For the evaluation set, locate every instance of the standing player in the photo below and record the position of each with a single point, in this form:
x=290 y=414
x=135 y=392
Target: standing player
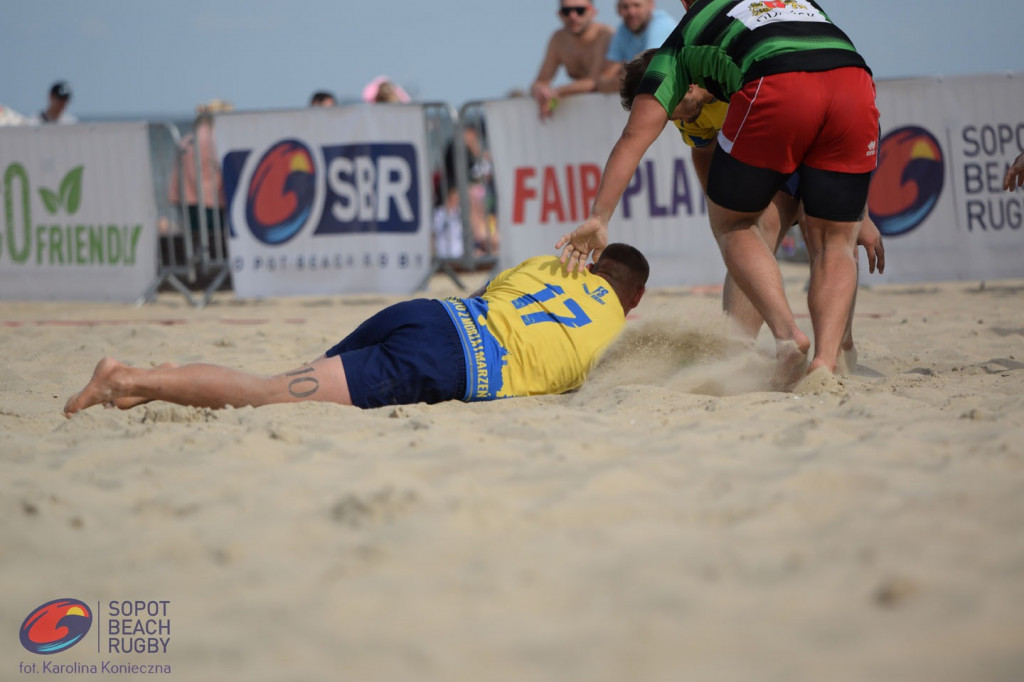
x=800 y=97
x=699 y=121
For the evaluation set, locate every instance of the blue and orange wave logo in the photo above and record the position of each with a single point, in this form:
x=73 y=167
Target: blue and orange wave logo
x=281 y=193
x=56 y=626
x=908 y=182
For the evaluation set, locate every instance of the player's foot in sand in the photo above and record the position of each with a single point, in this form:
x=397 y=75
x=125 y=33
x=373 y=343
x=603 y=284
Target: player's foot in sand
x=107 y=384
x=847 y=358
x=790 y=361
x=128 y=402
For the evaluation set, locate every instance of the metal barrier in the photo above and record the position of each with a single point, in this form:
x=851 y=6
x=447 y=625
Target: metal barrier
x=193 y=258
x=464 y=193
x=480 y=184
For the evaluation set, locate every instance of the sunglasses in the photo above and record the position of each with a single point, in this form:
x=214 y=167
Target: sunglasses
x=568 y=11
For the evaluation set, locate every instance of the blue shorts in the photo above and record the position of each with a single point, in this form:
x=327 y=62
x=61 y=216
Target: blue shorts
x=792 y=185
x=407 y=353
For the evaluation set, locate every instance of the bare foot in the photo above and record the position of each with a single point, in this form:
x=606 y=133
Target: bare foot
x=128 y=402
x=103 y=387
x=847 y=360
x=820 y=380
x=819 y=364
x=790 y=361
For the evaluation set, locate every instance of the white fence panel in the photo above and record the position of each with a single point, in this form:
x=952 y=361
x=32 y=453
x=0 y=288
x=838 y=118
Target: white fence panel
x=79 y=218
x=327 y=201
x=547 y=174
x=937 y=194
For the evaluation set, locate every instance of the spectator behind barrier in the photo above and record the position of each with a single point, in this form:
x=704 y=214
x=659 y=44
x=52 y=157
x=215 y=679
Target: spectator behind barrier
x=643 y=28
x=579 y=46
x=383 y=89
x=185 y=185
x=479 y=171
x=322 y=98
x=56 y=110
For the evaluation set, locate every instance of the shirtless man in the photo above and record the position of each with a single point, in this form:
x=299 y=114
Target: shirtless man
x=579 y=47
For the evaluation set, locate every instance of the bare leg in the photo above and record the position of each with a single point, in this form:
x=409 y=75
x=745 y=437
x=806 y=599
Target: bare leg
x=202 y=385
x=848 y=351
x=871 y=239
x=127 y=403
x=478 y=219
x=751 y=263
x=847 y=361
x=833 y=286
x=773 y=225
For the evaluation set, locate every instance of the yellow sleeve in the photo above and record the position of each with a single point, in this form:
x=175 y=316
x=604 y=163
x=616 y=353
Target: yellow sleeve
x=704 y=130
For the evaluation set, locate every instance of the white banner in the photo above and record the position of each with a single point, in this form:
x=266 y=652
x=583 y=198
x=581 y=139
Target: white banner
x=326 y=201
x=546 y=175
x=79 y=215
x=938 y=192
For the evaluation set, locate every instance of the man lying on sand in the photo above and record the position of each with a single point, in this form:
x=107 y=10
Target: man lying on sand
x=534 y=329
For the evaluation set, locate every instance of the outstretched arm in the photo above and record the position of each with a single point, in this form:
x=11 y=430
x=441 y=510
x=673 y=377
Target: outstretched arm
x=646 y=121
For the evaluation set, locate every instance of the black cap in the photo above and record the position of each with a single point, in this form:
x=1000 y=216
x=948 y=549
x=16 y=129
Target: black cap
x=61 y=90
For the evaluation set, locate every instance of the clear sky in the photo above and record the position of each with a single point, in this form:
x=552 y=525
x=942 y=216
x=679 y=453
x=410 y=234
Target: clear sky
x=154 y=57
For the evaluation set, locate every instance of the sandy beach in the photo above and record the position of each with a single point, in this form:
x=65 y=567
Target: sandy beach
x=672 y=520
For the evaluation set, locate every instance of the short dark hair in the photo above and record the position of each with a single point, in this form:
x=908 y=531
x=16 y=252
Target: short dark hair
x=320 y=96
x=625 y=264
x=631 y=77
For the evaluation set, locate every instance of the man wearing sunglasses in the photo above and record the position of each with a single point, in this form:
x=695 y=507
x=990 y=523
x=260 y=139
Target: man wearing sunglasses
x=579 y=46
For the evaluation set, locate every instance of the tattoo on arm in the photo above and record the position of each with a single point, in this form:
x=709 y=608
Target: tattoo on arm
x=302 y=386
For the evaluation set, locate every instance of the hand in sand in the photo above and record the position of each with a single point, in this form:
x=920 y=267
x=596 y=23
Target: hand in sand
x=1014 y=174
x=588 y=239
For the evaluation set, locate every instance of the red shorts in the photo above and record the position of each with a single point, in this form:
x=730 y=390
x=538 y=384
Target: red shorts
x=825 y=119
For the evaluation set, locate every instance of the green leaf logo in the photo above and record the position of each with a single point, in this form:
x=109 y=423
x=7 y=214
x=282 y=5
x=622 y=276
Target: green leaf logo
x=70 y=197
x=50 y=199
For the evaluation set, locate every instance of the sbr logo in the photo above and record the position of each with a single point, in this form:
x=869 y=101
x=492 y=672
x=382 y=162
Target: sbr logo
x=281 y=192
x=55 y=626
x=355 y=188
x=370 y=188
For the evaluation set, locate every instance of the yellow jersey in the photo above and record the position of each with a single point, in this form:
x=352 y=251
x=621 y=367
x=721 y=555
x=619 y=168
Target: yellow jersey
x=704 y=130
x=536 y=330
